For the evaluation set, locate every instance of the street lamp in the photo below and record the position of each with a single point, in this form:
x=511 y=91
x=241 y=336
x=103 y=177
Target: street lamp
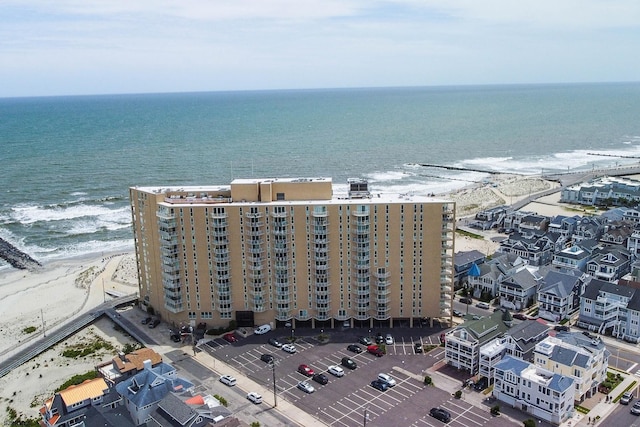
x=366 y=417
x=275 y=395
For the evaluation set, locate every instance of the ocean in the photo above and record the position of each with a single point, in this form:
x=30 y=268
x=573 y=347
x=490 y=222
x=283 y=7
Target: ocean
x=67 y=162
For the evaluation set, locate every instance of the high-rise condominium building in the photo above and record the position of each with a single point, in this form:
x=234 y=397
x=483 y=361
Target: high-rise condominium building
x=293 y=250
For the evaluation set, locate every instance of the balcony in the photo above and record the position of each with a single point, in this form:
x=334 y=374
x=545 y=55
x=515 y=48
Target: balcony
x=219 y=215
x=168 y=238
x=283 y=300
x=283 y=315
x=279 y=231
x=382 y=299
x=220 y=232
x=253 y=232
x=360 y=231
x=322 y=315
x=253 y=215
x=319 y=214
x=280 y=214
x=363 y=315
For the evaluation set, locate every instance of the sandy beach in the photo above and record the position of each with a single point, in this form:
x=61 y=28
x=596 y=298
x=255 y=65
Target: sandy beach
x=33 y=303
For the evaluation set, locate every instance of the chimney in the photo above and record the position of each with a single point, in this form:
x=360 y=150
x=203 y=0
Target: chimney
x=122 y=357
x=147 y=364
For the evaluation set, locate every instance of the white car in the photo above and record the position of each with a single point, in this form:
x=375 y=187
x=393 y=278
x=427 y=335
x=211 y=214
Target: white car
x=289 y=348
x=254 y=397
x=306 y=387
x=228 y=380
x=388 y=340
x=262 y=329
x=336 y=370
x=387 y=379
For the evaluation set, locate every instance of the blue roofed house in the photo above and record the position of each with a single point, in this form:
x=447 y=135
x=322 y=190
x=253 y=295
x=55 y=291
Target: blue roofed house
x=486 y=277
x=463 y=262
x=535 y=390
x=559 y=294
x=142 y=392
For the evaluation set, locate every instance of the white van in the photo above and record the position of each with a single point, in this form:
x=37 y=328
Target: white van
x=262 y=329
x=484 y=305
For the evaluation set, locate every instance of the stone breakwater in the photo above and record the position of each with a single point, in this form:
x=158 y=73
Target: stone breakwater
x=16 y=258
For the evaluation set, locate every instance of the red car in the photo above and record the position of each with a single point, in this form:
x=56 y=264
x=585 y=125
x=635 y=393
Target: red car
x=231 y=337
x=306 y=370
x=375 y=350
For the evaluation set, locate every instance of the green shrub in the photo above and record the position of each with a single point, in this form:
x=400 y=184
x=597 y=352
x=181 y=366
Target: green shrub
x=495 y=410
x=428 y=380
x=222 y=400
x=529 y=423
x=78 y=379
x=29 y=330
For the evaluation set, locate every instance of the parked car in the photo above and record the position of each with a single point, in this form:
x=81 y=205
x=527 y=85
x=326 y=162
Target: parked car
x=306 y=370
x=440 y=414
x=387 y=379
x=417 y=347
x=388 y=339
x=321 y=378
x=336 y=370
x=355 y=348
x=262 y=329
x=230 y=337
x=561 y=328
x=154 y=323
x=228 y=380
x=175 y=337
x=306 y=387
x=379 y=338
x=481 y=384
x=465 y=300
x=289 y=348
x=375 y=350
x=254 y=397
x=274 y=342
x=520 y=316
x=266 y=358
x=379 y=385
x=458 y=313
x=348 y=363
x=626 y=398
x=146 y=320
x=635 y=409
x=365 y=341
x=484 y=305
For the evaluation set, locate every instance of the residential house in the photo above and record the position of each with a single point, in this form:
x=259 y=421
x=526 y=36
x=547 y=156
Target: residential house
x=519 y=290
x=587 y=228
x=513 y=219
x=195 y=411
x=584 y=358
x=91 y=403
x=632 y=215
x=536 y=249
x=462 y=344
x=142 y=392
x=486 y=278
x=463 y=261
x=610 y=264
x=563 y=225
x=603 y=191
x=534 y=390
x=616 y=233
x=603 y=306
x=573 y=257
x=633 y=244
x=490 y=218
x=534 y=224
x=559 y=294
x=124 y=366
x=519 y=341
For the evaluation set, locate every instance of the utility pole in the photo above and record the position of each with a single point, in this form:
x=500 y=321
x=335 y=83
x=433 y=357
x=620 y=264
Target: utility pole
x=366 y=417
x=44 y=331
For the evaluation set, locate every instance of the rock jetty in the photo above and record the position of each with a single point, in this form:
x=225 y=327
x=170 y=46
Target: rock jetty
x=16 y=257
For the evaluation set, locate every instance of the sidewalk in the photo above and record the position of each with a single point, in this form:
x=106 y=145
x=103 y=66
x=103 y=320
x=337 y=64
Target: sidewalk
x=603 y=408
x=294 y=415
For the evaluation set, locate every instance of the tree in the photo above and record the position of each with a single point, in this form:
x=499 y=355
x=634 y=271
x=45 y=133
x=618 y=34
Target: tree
x=428 y=380
x=495 y=410
x=529 y=423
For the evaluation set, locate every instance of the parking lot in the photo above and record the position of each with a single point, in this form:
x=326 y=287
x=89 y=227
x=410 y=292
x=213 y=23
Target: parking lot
x=347 y=400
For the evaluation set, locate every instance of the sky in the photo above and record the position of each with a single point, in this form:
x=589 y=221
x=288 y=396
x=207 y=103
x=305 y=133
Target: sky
x=79 y=47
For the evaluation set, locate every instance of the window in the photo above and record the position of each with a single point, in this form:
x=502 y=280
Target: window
x=279 y=196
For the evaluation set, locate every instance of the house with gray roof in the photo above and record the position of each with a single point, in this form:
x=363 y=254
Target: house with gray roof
x=616 y=233
x=604 y=307
x=534 y=390
x=462 y=344
x=559 y=294
x=142 y=392
x=576 y=355
x=519 y=341
x=609 y=264
x=486 y=278
x=573 y=257
x=563 y=225
x=536 y=249
x=196 y=411
x=587 y=228
x=518 y=291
